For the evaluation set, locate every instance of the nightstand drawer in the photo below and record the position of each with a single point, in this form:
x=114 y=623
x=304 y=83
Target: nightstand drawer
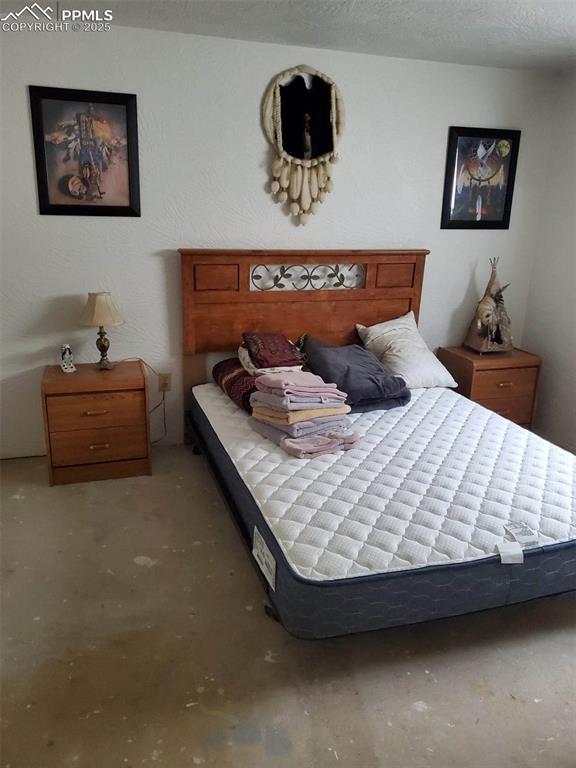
x=506 y=382
x=517 y=409
x=91 y=446
x=109 y=409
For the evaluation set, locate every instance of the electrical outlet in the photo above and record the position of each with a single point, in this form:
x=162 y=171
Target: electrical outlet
x=164 y=382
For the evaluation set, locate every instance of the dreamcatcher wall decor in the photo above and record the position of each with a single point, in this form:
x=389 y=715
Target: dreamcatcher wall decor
x=303 y=118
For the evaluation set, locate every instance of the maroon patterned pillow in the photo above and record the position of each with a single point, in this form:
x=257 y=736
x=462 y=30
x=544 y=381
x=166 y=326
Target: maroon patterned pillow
x=235 y=381
x=270 y=350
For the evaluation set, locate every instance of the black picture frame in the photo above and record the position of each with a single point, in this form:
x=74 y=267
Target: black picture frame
x=39 y=95
x=459 y=208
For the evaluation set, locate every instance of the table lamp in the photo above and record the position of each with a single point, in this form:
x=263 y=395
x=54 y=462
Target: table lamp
x=100 y=311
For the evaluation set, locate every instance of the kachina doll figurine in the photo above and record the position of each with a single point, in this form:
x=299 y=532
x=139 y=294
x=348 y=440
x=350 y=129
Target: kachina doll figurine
x=489 y=331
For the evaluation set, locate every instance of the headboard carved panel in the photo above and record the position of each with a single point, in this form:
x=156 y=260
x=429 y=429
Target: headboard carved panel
x=220 y=299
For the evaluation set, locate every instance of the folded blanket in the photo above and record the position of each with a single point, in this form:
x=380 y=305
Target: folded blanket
x=246 y=360
x=283 y=404
x=364 y=406
x=303 y=396
x=367 y=380
x=235 y=382
x=318 y=445
x=330 y=395
x=298 y=382
x=271 y=350
x=291 y=417
x=307 y=447
x=300 y=429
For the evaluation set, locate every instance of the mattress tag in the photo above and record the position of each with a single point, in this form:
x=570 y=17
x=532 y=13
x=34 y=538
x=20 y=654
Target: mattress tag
x=510 y=552
x=264 y=558
x=522 y=533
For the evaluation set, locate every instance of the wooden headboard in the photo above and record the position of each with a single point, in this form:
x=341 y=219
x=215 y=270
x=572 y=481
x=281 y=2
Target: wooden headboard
x=219 y=304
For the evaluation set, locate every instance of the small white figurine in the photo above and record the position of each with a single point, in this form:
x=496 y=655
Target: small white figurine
x=67 y=361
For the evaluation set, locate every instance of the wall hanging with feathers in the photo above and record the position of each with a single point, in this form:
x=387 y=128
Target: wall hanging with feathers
x=303 y=118
x=489 y=331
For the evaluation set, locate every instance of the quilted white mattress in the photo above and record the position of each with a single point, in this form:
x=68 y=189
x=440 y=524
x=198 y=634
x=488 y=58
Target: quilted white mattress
x=432 y=483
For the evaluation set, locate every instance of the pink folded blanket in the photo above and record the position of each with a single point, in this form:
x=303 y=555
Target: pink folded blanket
x=319 y=445
x=303 y=396
x=290 y=403
x=294 y=382
x=332 y=439
x=319 y=426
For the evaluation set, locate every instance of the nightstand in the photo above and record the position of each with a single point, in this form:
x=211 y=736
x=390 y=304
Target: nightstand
x=96 y=423
x=504 y=382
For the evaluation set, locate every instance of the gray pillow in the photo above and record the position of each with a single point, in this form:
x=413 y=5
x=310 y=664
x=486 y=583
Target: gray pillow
x=308 y=343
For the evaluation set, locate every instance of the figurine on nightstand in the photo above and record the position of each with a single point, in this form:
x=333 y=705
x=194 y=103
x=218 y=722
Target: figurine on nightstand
x=489 y=330
x=67 y=361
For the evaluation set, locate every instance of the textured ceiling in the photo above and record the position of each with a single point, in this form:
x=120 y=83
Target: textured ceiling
x=503 y=33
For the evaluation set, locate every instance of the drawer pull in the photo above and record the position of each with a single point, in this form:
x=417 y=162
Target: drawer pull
x=99 y=446
x=505 y=384
x=95 y=413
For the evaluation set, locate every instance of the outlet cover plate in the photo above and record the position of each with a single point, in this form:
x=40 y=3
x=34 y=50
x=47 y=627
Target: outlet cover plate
x=164 y=382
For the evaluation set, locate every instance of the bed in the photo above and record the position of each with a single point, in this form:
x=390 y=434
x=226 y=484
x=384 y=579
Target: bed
x=405 y=527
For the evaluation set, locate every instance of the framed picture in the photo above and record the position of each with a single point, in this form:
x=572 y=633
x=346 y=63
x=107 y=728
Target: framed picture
x=86 y=146
x=479 y=183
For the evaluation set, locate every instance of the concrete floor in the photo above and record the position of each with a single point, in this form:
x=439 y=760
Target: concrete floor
x=134 y=634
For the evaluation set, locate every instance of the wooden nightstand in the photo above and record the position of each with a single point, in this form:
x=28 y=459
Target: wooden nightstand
x=504 y=382
x=96 y=423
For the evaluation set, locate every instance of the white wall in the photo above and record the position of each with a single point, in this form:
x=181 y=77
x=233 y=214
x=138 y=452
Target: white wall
x=203 y=170
x=550 y=328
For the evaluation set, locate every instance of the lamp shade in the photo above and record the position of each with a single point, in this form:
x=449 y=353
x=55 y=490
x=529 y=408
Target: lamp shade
x=101 y=311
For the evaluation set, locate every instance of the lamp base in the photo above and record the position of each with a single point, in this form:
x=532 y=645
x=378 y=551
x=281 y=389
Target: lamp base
x=103 y=344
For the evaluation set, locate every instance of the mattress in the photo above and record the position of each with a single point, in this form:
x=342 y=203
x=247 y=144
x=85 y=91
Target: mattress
x=407 y=525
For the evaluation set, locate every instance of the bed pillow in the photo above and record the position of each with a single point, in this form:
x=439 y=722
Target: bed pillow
x=398 y=344
x=309 y=342
x=369 y=384
x=237 y=383
x=270 y=350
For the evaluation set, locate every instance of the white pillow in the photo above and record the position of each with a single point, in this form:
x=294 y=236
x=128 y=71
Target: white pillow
x=398 y=344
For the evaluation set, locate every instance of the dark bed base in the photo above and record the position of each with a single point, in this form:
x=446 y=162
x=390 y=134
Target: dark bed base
x=312 y=609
